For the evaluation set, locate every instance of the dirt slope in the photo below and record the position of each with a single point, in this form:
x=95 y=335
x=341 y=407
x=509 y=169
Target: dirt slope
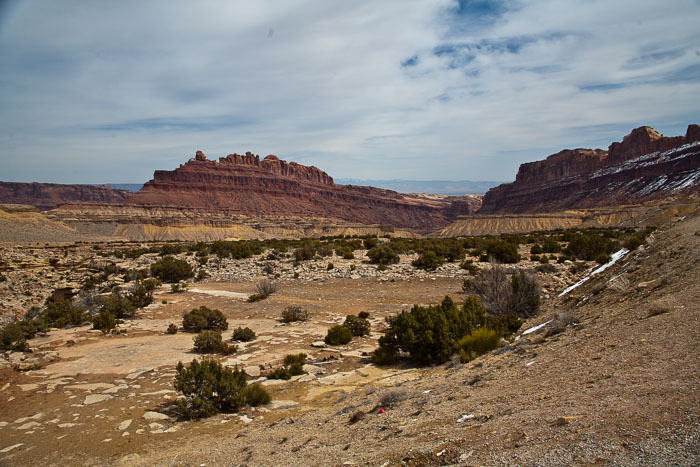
x=627 y=375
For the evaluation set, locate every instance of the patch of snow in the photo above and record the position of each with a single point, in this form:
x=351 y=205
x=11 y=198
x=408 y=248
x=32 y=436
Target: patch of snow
x=219 y=293
x=615 y=258
x=533 y=329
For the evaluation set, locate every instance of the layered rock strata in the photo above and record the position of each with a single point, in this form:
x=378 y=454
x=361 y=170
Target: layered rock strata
x=250 y=186
x=47 y=196
x=644 y=166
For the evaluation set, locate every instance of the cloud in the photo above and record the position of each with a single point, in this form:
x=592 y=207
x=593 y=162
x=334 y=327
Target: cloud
x=391 y=89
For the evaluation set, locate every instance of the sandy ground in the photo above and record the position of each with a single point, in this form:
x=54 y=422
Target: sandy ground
x=620 y=387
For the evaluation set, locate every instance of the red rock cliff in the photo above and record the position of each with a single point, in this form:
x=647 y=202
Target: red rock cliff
x=645 y=165
x=49 y=195
x=253 y=187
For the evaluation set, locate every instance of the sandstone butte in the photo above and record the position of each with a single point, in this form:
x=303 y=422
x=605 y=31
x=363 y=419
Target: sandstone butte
x=250 y=186
x=644 y=166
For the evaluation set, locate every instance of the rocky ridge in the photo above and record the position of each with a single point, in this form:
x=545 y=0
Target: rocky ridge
x=250 y=186
x=644 y=166
x=47 y=196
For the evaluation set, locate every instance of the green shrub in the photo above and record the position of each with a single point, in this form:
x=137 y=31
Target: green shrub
x=370 y=242
x=118 y=306
x=304 y=253
x=536 y=249
x=170 y=269
x=211 y=342
x=209 y=388
x=551 y=246
x=105 y=321
x=338 y=335
x=172 y=328
x=294 y=313
x=256 y=395
x=503 y=252
x=12 y=338
x=141 y=295
x=477 y=343
x=382 y=255
x=203 y=318
x=179 y=287
x=589 y=246
x=544 y=259
x=384 y=355
x=429 y=261
x=358 y=326
x=363 y=315
x=329 y=267
x=243 y=334
x=429 y=334
x=62 y=313
x=292 y=365
x=634 y=242
x=603 y=258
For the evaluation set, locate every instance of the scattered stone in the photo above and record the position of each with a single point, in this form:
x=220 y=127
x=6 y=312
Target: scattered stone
x=28 y=426
x=318 y=344
x=561 y=421
x=28 y=387
x=125 y=424
x=94 y=398
x=253 y=371
x=152 y=416
x=10 y=448
x=245 y=419
x=66 y=425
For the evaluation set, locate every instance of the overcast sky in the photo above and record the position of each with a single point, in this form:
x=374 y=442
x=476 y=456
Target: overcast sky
x=109 y=91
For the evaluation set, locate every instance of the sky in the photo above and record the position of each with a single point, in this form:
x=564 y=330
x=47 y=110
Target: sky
x=109 y=91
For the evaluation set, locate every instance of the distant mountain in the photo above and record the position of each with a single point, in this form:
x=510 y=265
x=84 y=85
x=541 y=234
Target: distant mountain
x=126 y=186
x=436 y=187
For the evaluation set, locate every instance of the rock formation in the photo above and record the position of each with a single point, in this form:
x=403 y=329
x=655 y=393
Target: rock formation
x=247 y=185
x=644 y=166
x=46 y=196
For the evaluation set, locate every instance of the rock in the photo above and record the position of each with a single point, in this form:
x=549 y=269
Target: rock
x=95 y=398
x=28 y=426
x=253 y=371
x=245 y=419
x=128 y=460
x=10 y=448
x=564 y=420
x=125 y=424
x=151 y=416
x=318 y=344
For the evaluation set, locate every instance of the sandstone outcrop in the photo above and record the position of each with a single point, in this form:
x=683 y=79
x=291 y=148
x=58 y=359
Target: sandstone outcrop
x=46 y=196
x=644 y=166
x=247 y=185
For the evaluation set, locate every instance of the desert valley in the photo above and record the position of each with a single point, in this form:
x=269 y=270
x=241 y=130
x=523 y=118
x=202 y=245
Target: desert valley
x=552 y=321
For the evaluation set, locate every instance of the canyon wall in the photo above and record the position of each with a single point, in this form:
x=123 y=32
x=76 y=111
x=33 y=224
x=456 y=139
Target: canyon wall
x=47 y=196
x=644 y=166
